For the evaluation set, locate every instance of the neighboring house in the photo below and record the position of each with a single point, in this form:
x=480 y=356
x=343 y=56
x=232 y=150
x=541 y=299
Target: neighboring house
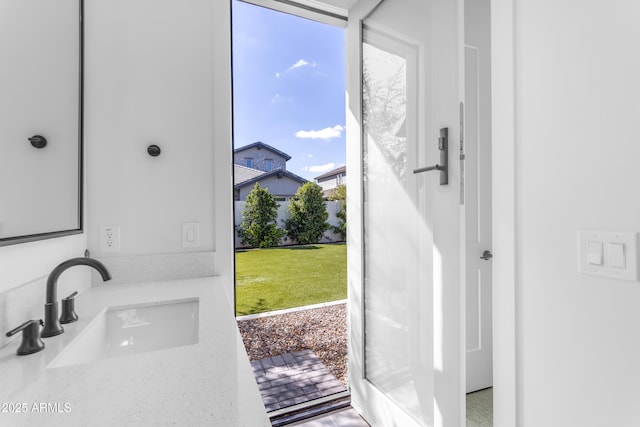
x=281 y=183
x=260 y=156
x=330 y=180
x=262 y=163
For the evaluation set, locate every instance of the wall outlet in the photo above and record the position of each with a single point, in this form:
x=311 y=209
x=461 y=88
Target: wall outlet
x=110 y=238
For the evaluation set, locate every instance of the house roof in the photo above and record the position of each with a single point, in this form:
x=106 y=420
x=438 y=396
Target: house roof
x=243 y=173
x=276 y=172
x=342 y=170
x=261 y=145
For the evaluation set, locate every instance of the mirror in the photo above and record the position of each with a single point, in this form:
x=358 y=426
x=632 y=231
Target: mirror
x=40 y=119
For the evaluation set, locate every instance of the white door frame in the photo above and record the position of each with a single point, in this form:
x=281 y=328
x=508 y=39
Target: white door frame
x=507 y=391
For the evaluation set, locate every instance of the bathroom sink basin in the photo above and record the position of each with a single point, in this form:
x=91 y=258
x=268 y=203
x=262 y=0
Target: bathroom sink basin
x=129 y=329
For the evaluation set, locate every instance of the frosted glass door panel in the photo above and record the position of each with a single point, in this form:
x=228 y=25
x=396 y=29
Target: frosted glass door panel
x=397 y=325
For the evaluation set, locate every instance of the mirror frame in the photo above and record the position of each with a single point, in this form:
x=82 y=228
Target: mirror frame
x=6 y=241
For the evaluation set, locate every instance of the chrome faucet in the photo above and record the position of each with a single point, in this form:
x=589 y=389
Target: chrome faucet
x=52 y=326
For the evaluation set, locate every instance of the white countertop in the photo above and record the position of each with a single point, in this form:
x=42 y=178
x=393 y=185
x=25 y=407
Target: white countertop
x=208 y=383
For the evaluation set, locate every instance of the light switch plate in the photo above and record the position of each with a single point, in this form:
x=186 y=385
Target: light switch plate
x=190 y=234
x=619 y=256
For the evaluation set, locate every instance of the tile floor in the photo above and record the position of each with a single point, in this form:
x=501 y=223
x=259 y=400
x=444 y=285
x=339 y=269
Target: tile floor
x=480 y=408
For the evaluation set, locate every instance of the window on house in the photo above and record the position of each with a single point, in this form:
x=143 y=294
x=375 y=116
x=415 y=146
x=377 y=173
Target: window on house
x=248 y=163
x=268 y=164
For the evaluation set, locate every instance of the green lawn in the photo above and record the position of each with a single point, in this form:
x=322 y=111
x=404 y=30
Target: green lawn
x=277 y=278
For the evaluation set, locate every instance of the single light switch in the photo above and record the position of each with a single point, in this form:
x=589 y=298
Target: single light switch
x=190 y=234
x=616 y=255
x=594 y=253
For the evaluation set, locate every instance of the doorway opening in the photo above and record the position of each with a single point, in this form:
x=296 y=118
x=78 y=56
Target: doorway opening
x=289 y=201
x=270 y=163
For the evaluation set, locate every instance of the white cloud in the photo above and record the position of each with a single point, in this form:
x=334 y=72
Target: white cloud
x=300 y=63
x=320 y=168
x=326 y=133
x=277 y=75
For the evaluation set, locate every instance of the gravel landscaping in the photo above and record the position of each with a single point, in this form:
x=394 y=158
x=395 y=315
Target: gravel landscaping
x=322 y=330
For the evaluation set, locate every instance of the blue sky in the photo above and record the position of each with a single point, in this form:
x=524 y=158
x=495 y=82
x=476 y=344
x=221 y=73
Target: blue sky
x=289 y=87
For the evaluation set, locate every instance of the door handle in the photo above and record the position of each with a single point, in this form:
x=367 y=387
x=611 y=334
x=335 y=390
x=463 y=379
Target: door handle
x=486 y=255
x=443 y=166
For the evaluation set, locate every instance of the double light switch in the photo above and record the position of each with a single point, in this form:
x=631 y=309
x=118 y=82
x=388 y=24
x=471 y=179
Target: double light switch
x=609 y=254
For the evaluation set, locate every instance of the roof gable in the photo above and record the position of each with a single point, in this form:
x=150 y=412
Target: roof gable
x=261 y=145
x=277 y=172
x=338 y=171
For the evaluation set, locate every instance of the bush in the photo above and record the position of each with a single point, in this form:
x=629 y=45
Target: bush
x=308 y=215
x=258 y=227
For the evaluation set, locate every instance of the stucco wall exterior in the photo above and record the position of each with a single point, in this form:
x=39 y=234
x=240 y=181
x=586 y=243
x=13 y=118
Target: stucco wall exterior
x=258 y=157
x=280 y=187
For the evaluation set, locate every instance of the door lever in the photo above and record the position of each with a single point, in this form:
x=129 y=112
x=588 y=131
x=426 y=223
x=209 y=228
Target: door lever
x=443 y=165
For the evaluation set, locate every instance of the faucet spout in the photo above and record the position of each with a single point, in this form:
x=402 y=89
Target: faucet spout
x=52 y=281
x=52 y=325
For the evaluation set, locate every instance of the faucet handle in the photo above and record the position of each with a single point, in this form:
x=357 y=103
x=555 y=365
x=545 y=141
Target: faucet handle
x=68 y=309
x=31 y=342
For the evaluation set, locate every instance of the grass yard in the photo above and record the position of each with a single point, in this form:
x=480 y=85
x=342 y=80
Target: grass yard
x=277 y=278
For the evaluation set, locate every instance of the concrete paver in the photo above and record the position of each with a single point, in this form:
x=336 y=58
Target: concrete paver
x=293 y=378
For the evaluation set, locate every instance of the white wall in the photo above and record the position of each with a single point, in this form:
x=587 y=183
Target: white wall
x=576 y=167
x=150 y=72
